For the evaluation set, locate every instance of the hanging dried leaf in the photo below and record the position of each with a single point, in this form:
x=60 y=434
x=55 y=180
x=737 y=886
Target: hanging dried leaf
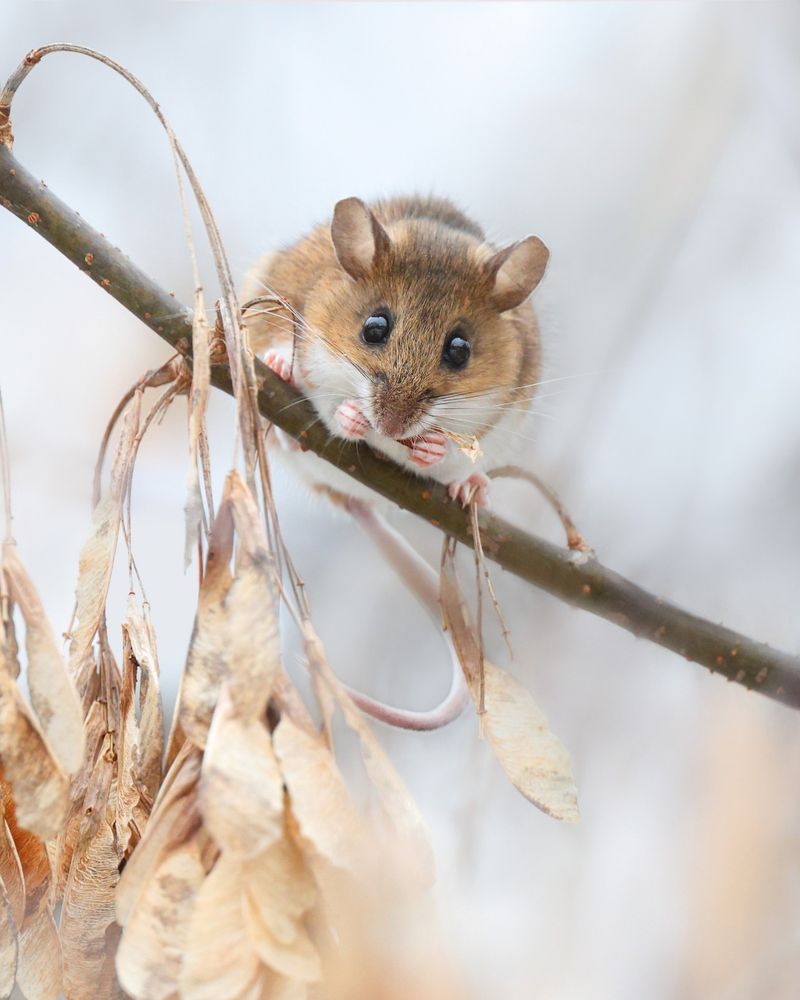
x=198 y=399
x=8 y=946
x=9 y=647
x=279 y=886
x=405 y=824
x=241 y=788
x=151 y=951
x=52 y=692
x=255 y=652
x=39 y=785
x=206 y=663
x=175 y=818
x=236 y=635
x=279 y=891
x=220 y=960
x=297 y=959
x=39 y=962
x=127 y=748
x=95 y=731
x=138 y=628
x=39 y=958
x=97 y=555
x=11 y=875
x=321 y=803
x=87 y=915
x=534 y=759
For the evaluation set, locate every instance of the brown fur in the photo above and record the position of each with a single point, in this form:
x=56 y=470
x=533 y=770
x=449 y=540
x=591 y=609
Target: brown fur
x=433 y=277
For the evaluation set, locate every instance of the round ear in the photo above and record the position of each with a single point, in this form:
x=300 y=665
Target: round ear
x=517 y=270
x=358 y=238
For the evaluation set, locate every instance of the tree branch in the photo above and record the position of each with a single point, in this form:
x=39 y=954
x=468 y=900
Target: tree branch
x=573 y=577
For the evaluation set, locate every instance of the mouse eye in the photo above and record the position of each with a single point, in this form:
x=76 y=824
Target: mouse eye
x=457 y=350
x=377 y=327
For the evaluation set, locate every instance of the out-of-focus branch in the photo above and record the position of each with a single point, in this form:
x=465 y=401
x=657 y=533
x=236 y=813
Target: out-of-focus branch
x=574 y=577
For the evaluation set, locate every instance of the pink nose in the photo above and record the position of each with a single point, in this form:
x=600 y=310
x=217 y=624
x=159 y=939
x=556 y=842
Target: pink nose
x=391 y=425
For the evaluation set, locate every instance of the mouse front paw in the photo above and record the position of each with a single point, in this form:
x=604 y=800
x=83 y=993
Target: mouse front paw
x=427 y=449
x=474 y=487
x=351 y=420
x=278 y=362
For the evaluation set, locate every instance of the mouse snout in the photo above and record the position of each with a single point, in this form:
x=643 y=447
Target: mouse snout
x=396 y=409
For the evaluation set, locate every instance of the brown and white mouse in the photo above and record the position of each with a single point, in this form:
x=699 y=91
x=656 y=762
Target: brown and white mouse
x=409 y=332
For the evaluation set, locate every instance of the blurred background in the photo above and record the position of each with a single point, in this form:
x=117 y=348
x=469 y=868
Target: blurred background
x=656 y=149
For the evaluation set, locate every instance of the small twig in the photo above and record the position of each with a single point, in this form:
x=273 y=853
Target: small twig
x=575 y=539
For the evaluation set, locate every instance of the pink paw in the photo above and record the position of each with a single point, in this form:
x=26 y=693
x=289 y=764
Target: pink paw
x=280 y=364
x=475 y=487
x=351 y=420
x=427 y=449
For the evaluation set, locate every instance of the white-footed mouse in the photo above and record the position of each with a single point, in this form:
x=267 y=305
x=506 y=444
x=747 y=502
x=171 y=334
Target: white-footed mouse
x=413 y=334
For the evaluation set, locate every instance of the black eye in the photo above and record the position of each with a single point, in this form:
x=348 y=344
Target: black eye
x=456 y=350
x=377 y=327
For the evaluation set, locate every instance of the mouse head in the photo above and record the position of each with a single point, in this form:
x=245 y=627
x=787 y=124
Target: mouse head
x=424 y=323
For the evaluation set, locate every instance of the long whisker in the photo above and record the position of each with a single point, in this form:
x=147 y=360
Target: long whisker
x=518 y=388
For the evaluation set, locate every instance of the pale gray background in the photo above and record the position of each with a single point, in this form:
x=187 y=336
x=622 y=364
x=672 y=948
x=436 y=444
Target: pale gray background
x=656 y=149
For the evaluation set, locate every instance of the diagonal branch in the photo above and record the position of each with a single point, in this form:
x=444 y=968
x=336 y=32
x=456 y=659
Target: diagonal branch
x=573 y=577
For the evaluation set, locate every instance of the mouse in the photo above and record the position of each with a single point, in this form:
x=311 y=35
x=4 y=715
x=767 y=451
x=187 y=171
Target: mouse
x=407 y=330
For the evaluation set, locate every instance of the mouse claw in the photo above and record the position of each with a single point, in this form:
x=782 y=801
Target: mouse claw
x=352 y=422
x=427 y=449
x=475 y=487
x=280 y=364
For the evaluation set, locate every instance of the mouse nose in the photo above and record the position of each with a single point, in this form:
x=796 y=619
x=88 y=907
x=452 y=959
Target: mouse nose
x=391 y=424
x=395 y=410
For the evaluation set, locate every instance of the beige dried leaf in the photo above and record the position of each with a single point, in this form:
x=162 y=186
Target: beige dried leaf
x=532 y=756
x=467 y=444
x=220 y=960
x=255 y=652
x=175 y=819
x=297 y=959
x=40 y=787
x=274 y=987
x=39 y=958
x=99 y=801
x=97 y=555
x=9 y=647
x=534 y=759
x=198 y=399
x=241 y=788
x=278 y=884
x=138 y=628
x=206 y=663
x=95 y=733
x=405 y=824
x=235 y=638
x=127 y=746
x=11 y=876
x=321 y=802
x=39 y=963
x=52 y=691
x=278 y=893
x=153 y=944
x=87 y=915
x=8 y=946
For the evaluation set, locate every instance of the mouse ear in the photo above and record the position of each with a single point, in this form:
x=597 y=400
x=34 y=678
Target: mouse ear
x=358 y=238
x=517 y=270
